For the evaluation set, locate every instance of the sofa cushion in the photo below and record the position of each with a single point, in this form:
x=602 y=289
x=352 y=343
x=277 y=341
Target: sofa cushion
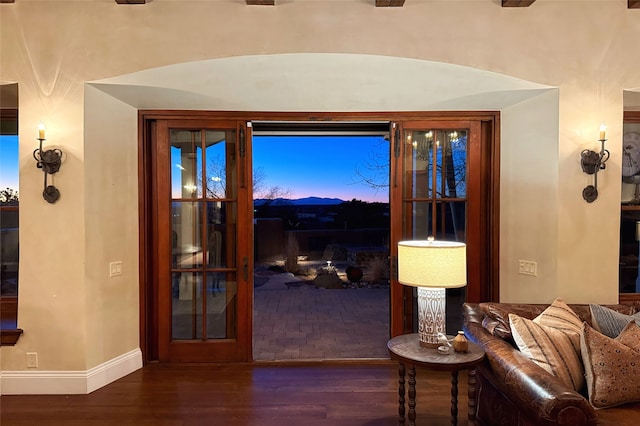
x=552 y=340
x=497 y=314
x=610 y=322
x=612 y=366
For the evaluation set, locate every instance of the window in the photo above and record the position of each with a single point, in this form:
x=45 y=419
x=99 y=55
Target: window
x=9 y=210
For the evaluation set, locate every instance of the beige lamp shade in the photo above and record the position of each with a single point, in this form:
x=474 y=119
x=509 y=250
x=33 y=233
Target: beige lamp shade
x=441 y=264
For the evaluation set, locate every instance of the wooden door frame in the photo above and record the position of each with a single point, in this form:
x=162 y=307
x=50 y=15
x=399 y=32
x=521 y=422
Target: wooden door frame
x=481 y=230
x=630 y=117
x=146 y=169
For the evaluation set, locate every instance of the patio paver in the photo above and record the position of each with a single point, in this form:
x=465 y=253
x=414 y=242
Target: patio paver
x=307 y=323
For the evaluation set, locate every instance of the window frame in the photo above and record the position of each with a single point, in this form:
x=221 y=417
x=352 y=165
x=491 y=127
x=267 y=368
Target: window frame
x=9 y=331
x=629 y=117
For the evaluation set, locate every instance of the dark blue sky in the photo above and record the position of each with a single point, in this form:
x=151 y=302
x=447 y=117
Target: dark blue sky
x=322 y=166
x=9 y=162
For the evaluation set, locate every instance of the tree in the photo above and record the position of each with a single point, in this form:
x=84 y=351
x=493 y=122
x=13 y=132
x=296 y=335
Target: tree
x=374 y=171
x=267 y=193
x=450 y=159
x=9 y=197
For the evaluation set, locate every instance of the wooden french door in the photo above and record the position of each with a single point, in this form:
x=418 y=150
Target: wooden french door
x=202 y=231
x=441 y=186
x=196 y=219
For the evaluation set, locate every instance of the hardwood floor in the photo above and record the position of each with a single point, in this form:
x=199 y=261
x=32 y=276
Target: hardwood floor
x=260 y=394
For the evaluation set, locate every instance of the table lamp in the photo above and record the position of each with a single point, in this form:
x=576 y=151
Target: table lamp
x=432 y=266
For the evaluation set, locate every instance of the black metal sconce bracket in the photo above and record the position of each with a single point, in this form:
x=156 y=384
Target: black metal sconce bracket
x=592 y=162
x=49 y=161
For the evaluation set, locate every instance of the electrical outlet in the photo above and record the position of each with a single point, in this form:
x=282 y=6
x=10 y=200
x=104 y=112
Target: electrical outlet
x=115 y=268
x=527 y=267
x=32 y=359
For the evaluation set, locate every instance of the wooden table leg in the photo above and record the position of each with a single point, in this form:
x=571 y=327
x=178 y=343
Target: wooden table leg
x=412 y=395
x=472 y=397
x=401 y=394
x=454 y=398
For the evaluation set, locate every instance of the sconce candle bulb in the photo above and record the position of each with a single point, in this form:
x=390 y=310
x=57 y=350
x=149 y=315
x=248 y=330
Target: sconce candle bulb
x=603 y=132
x=49 y=161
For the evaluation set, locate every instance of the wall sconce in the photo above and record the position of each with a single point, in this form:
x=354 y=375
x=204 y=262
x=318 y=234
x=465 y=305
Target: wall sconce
x=591 y=163
x=49 y=161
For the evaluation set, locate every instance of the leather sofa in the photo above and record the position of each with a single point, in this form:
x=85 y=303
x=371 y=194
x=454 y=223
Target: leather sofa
x=512 y=390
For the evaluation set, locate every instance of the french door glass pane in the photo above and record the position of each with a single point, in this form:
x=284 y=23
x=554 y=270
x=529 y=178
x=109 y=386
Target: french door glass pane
x=453 y=160
x=203 y=225
x=449 y=222
x=452 y=216
x=219 y=295
x=187 y=291
x=435 y=167
x=220 y=164
x=186 y=234
x=221 y=235
x=186 y=163
x=420 y=163
x=422 y=213
x=447 y=149
x=220 y=306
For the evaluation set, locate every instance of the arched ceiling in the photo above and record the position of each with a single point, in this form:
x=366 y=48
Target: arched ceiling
x=318 y=82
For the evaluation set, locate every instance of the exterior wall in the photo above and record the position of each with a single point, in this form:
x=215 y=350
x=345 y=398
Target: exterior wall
x=69 y=307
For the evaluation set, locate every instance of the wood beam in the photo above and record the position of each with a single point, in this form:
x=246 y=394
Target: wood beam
x=261 y=2
x=633 y=4
x=389 y=3
x=517 y=3
x=131 y=1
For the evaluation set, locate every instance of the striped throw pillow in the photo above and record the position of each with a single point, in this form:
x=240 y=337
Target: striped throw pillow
x=552 y=340
x=609 y=322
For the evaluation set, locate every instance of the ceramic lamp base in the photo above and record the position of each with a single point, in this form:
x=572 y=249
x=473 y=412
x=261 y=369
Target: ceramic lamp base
x=431 y=315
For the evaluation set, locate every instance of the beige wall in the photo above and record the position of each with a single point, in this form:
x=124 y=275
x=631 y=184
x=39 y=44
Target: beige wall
x=111 y=215
x=556 y=70
x=530 y=179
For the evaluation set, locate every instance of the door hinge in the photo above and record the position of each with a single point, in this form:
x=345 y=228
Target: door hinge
x=396 y=153
x=396 y=146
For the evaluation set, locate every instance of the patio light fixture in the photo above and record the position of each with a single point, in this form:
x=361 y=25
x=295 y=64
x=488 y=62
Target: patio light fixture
x=432 y=266
x=49 y=161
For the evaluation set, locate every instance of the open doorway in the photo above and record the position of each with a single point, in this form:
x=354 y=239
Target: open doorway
x=321 y=243
x=415 y=208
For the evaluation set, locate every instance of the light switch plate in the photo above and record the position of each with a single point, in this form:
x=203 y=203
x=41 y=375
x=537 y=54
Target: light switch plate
x=115 y=268
x=528 y=267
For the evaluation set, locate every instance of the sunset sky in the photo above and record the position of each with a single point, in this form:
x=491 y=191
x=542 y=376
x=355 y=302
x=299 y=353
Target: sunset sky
x=322 y=166
x=9 y=162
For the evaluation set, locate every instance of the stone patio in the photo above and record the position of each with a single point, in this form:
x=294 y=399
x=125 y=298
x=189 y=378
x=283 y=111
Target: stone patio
x=302 y=322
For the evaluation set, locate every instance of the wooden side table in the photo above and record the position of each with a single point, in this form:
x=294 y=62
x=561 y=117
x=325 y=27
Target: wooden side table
x=406 y=350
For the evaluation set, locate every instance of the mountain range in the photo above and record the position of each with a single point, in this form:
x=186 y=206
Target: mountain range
x=306 y=201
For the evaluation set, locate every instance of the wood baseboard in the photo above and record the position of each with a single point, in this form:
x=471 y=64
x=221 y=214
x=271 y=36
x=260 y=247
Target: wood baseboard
x=36 y=382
